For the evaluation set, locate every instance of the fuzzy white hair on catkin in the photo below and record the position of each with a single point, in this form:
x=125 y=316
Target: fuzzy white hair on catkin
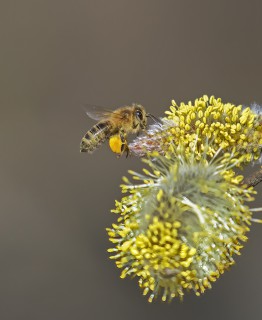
x=256 y=108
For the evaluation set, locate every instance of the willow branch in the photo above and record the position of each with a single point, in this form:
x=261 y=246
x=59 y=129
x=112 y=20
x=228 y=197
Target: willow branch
x=253 y=179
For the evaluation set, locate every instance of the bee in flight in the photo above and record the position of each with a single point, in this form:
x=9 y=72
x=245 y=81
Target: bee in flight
x=114 y=126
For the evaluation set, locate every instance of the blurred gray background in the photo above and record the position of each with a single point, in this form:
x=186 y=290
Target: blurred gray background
x=55 y=202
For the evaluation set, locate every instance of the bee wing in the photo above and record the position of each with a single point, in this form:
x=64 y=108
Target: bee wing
x=97 y=113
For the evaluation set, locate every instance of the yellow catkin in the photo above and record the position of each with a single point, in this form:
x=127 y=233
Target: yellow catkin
x=223 y=125
x=180 y=230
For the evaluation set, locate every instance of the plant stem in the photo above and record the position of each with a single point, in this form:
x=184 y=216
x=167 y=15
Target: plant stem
x=253 y=179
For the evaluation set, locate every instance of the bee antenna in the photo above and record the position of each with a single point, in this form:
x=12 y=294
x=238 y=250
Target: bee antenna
x=155 y=119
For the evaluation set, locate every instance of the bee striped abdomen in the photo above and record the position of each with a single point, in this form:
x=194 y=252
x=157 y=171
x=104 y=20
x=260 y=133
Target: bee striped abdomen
x=95 y=137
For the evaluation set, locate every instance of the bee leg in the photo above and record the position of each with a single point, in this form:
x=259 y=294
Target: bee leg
x=123 y=149
x=127 y=150
x=124 y=146
x=122 y=135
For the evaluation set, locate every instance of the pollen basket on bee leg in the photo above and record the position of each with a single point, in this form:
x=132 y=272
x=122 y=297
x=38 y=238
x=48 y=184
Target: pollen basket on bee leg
x=115 y=144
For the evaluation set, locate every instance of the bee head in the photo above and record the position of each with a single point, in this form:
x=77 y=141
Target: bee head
x=140 y=117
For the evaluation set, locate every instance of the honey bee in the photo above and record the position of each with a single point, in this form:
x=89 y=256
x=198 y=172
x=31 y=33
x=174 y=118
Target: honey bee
x=114 y=126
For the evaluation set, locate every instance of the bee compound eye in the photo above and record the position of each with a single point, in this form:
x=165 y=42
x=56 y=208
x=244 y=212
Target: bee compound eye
x=139 y=114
